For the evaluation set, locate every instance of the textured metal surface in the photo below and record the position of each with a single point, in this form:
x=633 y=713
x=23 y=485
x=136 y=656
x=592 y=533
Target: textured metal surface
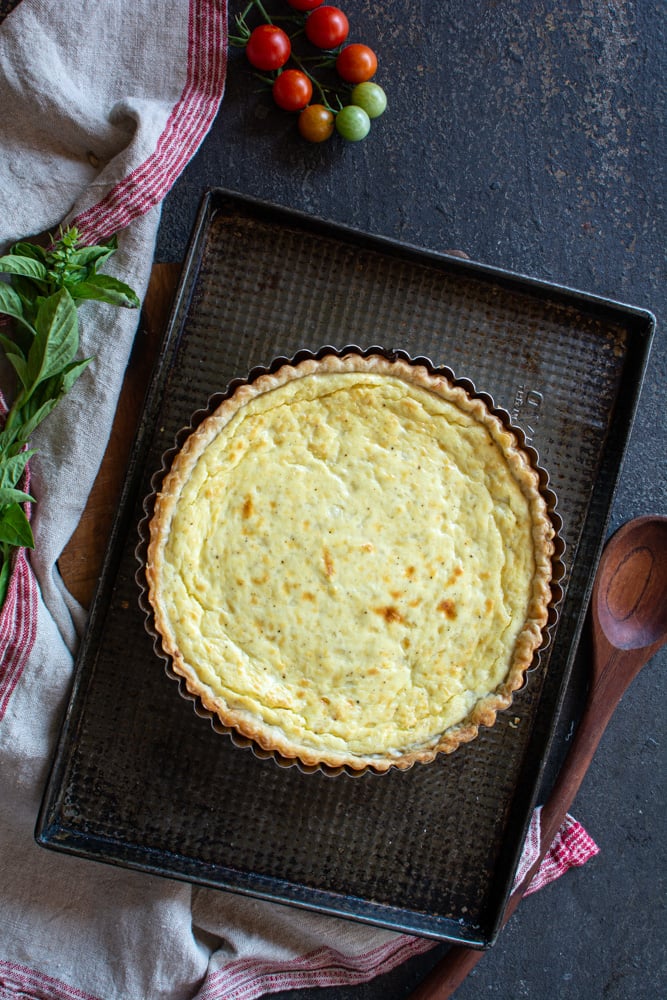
x=141 y=780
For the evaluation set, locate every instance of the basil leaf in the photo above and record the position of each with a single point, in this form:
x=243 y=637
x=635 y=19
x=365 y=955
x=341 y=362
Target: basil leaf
x=31 y=419
x=70 y=374
x=105 y=288
x=20 y=366
x=13 y=468
x=91 y=257
x=27 y=266
x=28 y=291
x=15 y=527
x=57 y=337
x=10 y=301
x=23 y=249
x=5 y=569
x=10 y=346
x=51 y=390
x=10 y=495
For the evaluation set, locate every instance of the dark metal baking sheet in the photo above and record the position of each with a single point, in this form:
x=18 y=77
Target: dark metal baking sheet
x=140 y=780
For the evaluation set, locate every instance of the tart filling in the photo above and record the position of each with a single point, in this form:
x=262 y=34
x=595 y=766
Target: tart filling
x=349 y=563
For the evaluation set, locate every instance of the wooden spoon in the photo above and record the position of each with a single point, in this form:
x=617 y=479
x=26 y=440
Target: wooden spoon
x=629 y=625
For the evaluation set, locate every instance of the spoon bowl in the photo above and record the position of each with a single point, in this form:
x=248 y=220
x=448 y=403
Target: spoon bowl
x=630 y=593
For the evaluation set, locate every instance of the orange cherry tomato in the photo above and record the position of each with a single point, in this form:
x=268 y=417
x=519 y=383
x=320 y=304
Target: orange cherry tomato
x=356 y=63
x=316 y=123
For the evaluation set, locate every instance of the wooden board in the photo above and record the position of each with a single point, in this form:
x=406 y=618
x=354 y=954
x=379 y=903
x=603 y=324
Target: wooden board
x=81 y=560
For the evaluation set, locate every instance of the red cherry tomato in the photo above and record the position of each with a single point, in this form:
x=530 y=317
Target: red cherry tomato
x=305 y=4
x=356 y=63
x=292 y=90
x=316 y=123
x=268 y=47
x=327 y=27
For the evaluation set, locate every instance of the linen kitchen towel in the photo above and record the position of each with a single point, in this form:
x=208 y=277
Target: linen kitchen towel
x=103 y=105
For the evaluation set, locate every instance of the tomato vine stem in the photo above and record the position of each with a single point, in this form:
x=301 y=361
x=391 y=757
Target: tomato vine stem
x=321 y=89
x=269 y=52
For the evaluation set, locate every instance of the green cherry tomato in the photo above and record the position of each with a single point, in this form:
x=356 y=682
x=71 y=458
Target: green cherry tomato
x=292 y=90
x=352 y=123
x=370 y=97
x=316 y=123
x=268 y=47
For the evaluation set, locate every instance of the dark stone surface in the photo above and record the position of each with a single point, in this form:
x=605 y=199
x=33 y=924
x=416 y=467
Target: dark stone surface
x=531 y=136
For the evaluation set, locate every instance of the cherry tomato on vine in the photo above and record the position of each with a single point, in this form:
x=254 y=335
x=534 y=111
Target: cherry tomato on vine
x=356 y=63
x=316 y=123
x=292 y=90
x=370 y=97
x=327 y=27
x=268 y=47
x=305 y=4
x=352 y=123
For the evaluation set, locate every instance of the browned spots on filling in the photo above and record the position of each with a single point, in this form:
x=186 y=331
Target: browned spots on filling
x=248 y=509
x=410 y=572
x=328 y=563
x=448 y=608
x=307 y=596
x=390 y=614
x=489 y=605
x=454 y=575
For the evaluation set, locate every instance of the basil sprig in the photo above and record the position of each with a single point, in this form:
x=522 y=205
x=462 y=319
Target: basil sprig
x=41 y=294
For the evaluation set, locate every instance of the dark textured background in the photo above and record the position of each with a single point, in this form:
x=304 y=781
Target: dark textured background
x=531 y=136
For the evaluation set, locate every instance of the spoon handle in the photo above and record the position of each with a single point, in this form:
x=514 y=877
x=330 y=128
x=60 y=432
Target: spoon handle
x=628 y=591
x=448 y=974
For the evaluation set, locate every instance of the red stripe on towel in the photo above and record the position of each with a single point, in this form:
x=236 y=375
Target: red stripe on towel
x=247 y=979
x=20 y=981
x=18 y=614
x=18 y=627
x=188 y=123
x=572 y=847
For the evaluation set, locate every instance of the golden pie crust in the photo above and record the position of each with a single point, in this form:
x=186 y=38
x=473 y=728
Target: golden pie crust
x=349 y=563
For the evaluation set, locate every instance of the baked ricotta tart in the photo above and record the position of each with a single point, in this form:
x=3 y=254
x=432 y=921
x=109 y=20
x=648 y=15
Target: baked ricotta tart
x=349 y=563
